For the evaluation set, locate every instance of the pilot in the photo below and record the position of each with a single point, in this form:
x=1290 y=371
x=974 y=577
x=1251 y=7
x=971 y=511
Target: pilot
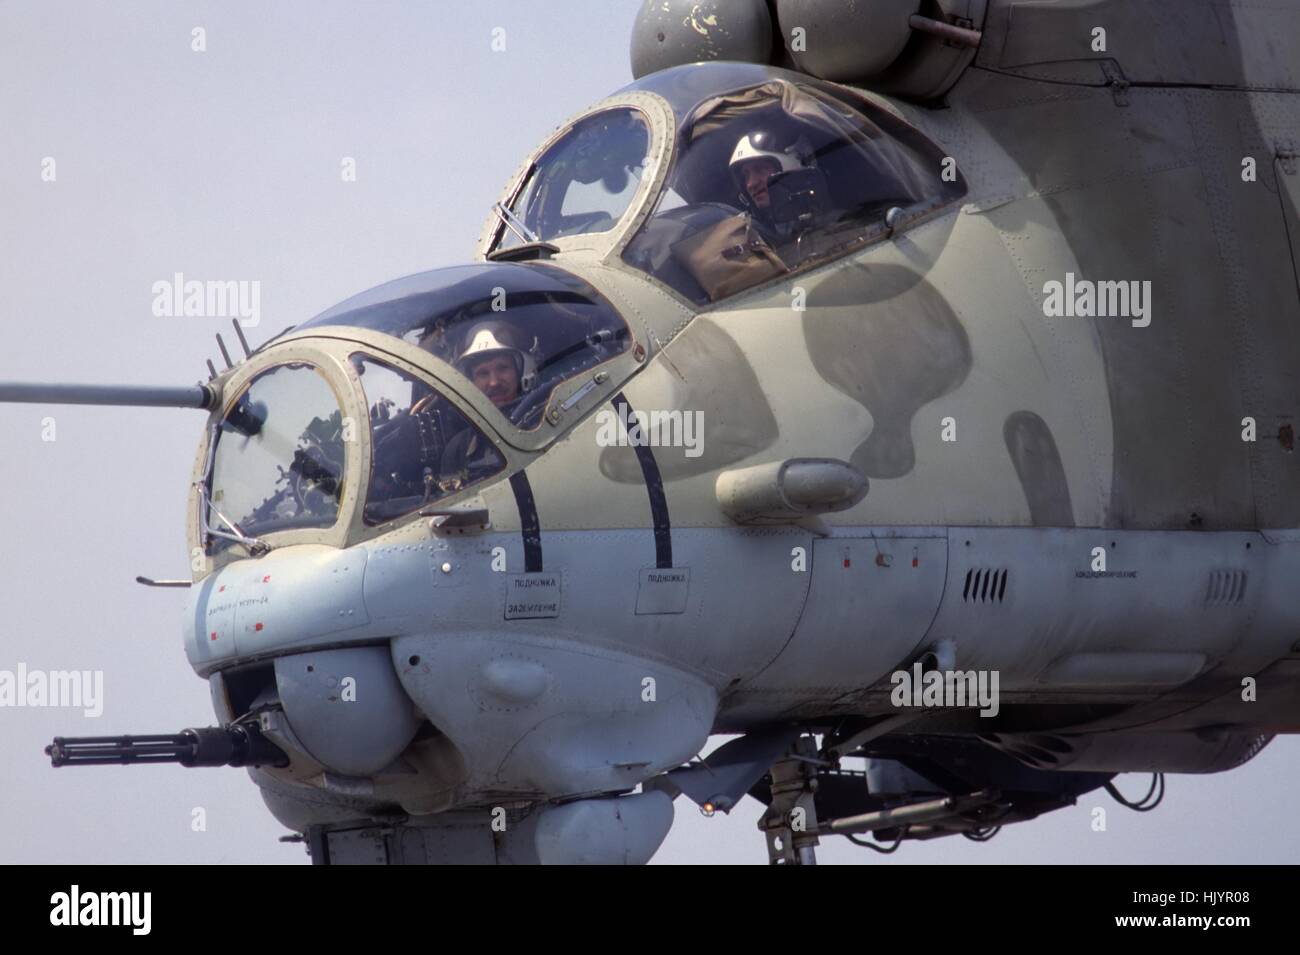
x=758 y=158
x=493 y=360
x=498 y=367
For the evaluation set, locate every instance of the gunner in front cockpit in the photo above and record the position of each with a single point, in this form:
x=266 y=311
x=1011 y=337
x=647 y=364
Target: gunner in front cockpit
x=498 y=367
x=493 y=360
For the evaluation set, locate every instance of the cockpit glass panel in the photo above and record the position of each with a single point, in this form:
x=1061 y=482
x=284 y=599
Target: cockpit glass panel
x=513 y=331
x=278 y=458
x=584 y=182
x=779 y=176
x=422 y=447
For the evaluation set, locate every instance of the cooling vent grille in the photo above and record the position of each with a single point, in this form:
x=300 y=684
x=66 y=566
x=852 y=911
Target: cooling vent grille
x=1225 y=588
x=985 y=585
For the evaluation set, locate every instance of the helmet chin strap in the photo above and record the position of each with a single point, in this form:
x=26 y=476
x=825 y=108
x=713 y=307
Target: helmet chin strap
x=526 y=382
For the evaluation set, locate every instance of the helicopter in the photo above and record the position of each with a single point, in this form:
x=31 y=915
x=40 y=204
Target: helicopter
x=912 y=385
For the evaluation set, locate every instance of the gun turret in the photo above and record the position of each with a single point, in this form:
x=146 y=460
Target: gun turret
x=235 y=745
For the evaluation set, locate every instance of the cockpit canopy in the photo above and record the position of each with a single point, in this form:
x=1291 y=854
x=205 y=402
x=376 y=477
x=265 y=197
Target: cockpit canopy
x=716 y=177
x=426 y=363
x=422 y=447
x=583 y=183
x=513 y=331
x=776 y=176
x=277 y=458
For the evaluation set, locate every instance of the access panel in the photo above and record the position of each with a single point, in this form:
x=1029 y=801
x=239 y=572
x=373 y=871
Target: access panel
x=869 y=607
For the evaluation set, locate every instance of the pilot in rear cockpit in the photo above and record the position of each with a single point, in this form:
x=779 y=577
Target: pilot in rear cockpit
x=772 y=173
x=783 y=209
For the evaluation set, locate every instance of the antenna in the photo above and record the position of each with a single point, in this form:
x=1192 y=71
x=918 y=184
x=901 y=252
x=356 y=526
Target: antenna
x=243 y=342
x=224 y=354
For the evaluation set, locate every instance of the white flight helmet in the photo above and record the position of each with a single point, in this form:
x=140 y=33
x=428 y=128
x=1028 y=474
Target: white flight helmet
x=762 y=145
x=487 y=338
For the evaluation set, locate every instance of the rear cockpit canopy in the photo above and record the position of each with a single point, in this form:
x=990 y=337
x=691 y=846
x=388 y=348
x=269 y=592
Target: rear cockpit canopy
x=836 y=165
x=583 y=183
x=655 y=177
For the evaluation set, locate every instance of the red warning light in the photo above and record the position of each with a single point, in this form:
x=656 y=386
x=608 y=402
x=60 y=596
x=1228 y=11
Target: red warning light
x=214 y=635
x=257 y=626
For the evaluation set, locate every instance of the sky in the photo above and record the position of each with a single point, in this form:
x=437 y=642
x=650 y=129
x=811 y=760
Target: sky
x=225 y=164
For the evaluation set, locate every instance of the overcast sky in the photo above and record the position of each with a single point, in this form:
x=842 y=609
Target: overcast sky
x=225 y=164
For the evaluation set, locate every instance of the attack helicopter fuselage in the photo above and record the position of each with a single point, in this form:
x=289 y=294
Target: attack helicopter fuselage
x=1007 y=387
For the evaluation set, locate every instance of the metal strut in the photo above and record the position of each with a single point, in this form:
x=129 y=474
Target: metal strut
x=790 y=822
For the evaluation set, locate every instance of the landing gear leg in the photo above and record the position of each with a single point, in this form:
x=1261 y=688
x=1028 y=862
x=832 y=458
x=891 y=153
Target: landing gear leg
x=790 y=822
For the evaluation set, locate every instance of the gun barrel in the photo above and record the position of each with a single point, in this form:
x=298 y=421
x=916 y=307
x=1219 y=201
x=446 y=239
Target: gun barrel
x=144 y=396
x=205 y=746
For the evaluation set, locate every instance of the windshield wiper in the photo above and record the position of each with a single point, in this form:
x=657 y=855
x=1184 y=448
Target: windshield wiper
x=256 y=546
x=511 y=222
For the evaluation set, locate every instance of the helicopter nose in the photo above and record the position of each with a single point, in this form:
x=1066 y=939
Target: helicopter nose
x=341 y=706
x=362 y=645
x=292 y=597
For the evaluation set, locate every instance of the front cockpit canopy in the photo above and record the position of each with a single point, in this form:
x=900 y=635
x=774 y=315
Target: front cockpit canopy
x=278 y=457
x=425 y=363
x=548 y=324
x=422 y=447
